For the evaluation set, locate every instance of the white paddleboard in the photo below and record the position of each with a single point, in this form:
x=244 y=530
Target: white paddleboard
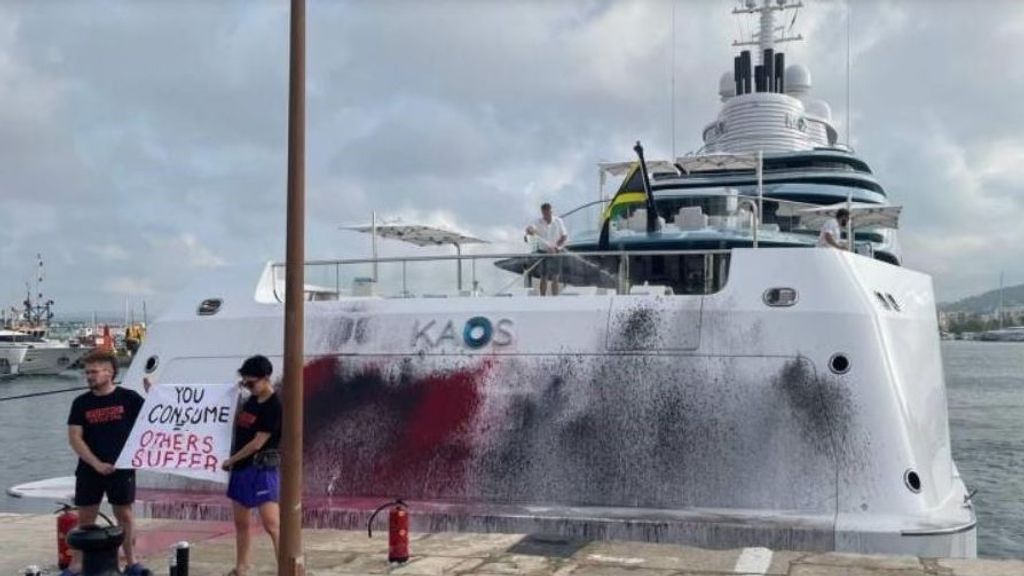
x=62 y=488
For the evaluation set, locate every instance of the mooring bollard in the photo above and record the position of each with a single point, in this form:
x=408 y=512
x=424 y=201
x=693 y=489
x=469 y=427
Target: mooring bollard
x=98 y=546
x=181 y=553
x=172 y=564
x=32 y=570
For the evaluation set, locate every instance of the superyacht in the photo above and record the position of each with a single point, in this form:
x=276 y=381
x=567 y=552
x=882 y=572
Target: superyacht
x=706 y=376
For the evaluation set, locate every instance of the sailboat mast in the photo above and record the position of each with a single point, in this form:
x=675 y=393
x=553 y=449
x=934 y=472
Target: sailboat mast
x=1000 y=300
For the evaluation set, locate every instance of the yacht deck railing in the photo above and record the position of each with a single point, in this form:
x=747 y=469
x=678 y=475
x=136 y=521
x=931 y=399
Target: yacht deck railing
x=511 y=274
x=744 y=215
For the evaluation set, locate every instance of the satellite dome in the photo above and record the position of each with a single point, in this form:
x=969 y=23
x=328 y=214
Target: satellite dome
x=819 y=109
x=727 y=86
x=798 y=80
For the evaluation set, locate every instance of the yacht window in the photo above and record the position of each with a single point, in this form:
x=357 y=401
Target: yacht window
x=782 y=205
x=684 y=274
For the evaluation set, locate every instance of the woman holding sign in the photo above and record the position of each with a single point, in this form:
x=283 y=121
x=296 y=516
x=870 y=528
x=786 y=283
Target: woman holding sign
x=255 y=458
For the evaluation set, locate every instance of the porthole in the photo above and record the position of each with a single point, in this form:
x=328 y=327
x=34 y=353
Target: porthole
x=839 y=364
x=209 y=307
x=780 y=297
x=912 y=481
x=151 y=364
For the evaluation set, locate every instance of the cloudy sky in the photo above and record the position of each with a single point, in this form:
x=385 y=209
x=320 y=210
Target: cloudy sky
x=144 y=143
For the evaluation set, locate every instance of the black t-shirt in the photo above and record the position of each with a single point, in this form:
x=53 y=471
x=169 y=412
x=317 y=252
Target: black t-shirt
x=253 y=417
x=106 y=422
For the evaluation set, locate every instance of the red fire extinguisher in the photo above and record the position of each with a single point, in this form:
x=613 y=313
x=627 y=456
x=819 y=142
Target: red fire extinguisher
x=67 y=520
x=398 y=530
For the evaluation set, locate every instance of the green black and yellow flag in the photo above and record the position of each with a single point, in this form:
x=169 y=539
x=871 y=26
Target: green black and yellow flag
x=629 y=197
x=630 y=194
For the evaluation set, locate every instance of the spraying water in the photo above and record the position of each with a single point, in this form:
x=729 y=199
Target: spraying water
x=604 y=278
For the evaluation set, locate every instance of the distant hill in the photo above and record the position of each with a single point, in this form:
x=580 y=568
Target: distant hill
x=988 y=302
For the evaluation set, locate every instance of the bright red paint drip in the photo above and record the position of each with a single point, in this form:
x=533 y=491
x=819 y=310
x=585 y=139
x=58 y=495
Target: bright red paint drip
x=317 y=375
x=417 y=430
x=445 y=410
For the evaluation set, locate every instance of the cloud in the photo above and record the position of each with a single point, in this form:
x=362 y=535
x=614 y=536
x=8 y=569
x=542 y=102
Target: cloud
x=186 y=250
x=127 y=285
x=147 y=141
x=109 y=252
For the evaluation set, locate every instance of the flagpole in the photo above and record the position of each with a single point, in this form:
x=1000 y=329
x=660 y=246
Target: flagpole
x=291 y=561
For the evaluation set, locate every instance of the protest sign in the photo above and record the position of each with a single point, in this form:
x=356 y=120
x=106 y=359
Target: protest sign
x=183 y=429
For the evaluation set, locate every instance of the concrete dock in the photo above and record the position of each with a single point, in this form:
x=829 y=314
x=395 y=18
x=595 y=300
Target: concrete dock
x=30 y=539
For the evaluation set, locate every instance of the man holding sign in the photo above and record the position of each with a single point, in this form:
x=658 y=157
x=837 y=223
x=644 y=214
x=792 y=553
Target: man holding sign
x=98 y=427
x=255 y=458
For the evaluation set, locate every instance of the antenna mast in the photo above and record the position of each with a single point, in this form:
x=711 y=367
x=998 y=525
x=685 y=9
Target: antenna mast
x=37 y=311
x=765 y=38
x=849 y=98
x=1000 y=300
x=673 y=103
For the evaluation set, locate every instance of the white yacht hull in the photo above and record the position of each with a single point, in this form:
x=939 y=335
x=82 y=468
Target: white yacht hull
x=10 y=360
x=50 y=360
x=712 y=420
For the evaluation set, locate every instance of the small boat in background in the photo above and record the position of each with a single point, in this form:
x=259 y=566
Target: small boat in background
x=26 y=329
x=12 y=353
x=1012 y=334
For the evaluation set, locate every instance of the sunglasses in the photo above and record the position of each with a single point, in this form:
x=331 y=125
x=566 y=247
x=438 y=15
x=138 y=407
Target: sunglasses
x=249 y=382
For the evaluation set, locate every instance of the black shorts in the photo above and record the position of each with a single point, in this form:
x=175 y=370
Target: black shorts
x=550 y=267
x=90 y=486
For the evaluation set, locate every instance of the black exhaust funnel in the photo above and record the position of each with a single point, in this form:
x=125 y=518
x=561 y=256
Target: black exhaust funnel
x=737 y=74
x=769 y=70
x=780 y=73
x=745 y=65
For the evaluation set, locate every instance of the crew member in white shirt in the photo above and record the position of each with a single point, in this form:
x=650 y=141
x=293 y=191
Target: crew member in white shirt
x=831 y=230
x=551 y=234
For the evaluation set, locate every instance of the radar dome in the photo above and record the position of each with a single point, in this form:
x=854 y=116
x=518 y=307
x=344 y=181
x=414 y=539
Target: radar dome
x=727 y=86
x=798 y=80
x=819 y=109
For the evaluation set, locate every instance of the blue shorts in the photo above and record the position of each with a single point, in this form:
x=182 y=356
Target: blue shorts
x=252 y=486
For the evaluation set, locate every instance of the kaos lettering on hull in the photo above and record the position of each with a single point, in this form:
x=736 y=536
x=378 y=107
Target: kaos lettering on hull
x=476 y=333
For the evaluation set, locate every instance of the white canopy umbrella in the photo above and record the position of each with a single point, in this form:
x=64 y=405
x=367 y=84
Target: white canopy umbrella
x=711 y=162
x=621 y=168
x=862 y=215
x=418 y=234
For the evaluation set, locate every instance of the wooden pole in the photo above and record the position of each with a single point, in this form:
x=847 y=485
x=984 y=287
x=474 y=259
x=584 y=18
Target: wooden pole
x=291 y=561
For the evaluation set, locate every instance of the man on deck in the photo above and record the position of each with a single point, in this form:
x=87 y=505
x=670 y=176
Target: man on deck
x=551 y=234
x=831 y=230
